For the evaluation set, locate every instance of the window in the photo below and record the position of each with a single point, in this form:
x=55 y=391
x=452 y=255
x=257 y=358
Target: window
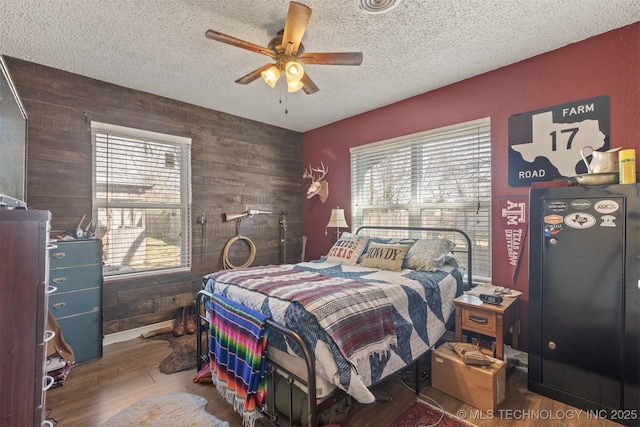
x=439 y=178
x=141 y=199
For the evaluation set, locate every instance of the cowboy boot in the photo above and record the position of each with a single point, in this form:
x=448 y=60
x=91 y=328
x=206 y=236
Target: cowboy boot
x=189 y=322
x=178 y=326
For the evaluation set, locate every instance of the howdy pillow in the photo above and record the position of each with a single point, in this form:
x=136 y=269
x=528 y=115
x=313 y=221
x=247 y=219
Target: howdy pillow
x=385 y=257
x=347 y=249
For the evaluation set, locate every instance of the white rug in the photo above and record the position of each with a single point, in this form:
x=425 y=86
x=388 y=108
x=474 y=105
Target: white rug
x=173 y=409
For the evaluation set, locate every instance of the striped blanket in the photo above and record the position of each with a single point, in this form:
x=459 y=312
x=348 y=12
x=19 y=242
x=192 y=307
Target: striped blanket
x=356 y=315
x=237 y=346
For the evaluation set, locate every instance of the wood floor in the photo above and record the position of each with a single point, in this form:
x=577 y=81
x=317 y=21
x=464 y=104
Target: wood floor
x=129 y=371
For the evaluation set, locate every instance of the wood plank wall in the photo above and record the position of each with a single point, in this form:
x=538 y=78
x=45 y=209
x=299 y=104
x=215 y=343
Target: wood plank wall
x=236 y=163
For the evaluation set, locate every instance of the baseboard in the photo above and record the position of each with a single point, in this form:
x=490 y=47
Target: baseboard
x=131 y=334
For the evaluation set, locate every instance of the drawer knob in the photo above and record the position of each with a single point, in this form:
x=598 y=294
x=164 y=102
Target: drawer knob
x=58 y=255
x=551 y=345
x=50 y=289
x=478 y=319
x=59 y=280
x=59 y=305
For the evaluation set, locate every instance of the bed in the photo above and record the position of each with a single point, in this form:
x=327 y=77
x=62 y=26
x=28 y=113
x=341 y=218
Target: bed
x=341 y=324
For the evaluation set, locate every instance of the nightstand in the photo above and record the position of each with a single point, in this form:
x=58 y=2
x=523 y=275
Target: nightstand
x=487 y=319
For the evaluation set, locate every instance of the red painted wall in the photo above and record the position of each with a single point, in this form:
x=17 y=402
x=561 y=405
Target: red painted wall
x=608 y=64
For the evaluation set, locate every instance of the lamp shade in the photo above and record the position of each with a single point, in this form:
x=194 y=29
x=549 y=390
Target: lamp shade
x=271 y=75
x=337 y=219
x=294 y=86
x=294 y=71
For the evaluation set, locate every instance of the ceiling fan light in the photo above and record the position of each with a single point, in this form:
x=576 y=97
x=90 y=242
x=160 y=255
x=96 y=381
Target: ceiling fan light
x=271 y=75
x=294 y=71
x=294 y=86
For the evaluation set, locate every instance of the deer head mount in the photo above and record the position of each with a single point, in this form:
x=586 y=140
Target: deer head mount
x=319 y=187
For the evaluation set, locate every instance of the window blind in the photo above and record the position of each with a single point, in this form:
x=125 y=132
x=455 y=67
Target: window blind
x=440 y=178
x=142 y=199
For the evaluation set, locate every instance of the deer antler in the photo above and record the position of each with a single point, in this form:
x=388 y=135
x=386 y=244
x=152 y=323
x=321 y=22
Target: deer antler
x=323 y=170
x=306 y=174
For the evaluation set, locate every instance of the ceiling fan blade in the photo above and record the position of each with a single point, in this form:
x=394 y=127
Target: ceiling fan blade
x=309 y=86
x=255 y=74
x=297 y=20
x=233 y=41
x=331 y=58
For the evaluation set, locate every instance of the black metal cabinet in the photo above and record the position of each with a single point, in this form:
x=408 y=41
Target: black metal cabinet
x=584 y=294
x=76 y=270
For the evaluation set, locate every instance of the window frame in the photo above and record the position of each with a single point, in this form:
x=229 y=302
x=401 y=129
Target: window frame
x=410 y=203
x=185 y=204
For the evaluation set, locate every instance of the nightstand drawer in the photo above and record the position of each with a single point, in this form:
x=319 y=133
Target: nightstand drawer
x=72 y=303
x=478 y=320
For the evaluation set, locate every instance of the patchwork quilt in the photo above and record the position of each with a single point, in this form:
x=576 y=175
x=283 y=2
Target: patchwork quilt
x=362 y=323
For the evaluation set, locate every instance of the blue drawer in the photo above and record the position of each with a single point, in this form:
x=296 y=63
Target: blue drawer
x=65 y=304
x=74 y=278
x=75 y=252
x=84 y=335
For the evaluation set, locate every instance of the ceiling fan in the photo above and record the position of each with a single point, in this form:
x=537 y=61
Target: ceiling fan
x=287 y=50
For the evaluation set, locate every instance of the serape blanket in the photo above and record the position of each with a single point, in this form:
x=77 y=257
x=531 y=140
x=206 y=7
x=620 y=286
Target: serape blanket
x=237 y=346
x=421 y=303
x=356 y=315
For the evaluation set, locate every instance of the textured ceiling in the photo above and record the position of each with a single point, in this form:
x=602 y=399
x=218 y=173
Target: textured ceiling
x=158 y=46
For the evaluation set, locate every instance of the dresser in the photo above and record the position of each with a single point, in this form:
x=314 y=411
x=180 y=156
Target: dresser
x=76 y=270
x=23 y=314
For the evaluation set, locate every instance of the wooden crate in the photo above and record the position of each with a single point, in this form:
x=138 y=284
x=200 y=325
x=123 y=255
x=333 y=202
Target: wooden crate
x=480 y=386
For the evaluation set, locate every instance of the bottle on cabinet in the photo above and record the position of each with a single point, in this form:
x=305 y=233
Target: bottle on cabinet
x=627 y=161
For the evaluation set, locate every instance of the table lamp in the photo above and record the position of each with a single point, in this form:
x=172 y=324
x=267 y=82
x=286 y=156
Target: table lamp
x=336 y=221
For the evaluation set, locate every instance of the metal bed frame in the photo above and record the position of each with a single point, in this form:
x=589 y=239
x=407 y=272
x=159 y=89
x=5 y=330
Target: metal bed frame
x=274 y=368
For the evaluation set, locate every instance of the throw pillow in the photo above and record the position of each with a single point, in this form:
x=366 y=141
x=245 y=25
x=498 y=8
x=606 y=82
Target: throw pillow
x=428 y=254
x=347 y=249
x=387 y=241
x=385 y=257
